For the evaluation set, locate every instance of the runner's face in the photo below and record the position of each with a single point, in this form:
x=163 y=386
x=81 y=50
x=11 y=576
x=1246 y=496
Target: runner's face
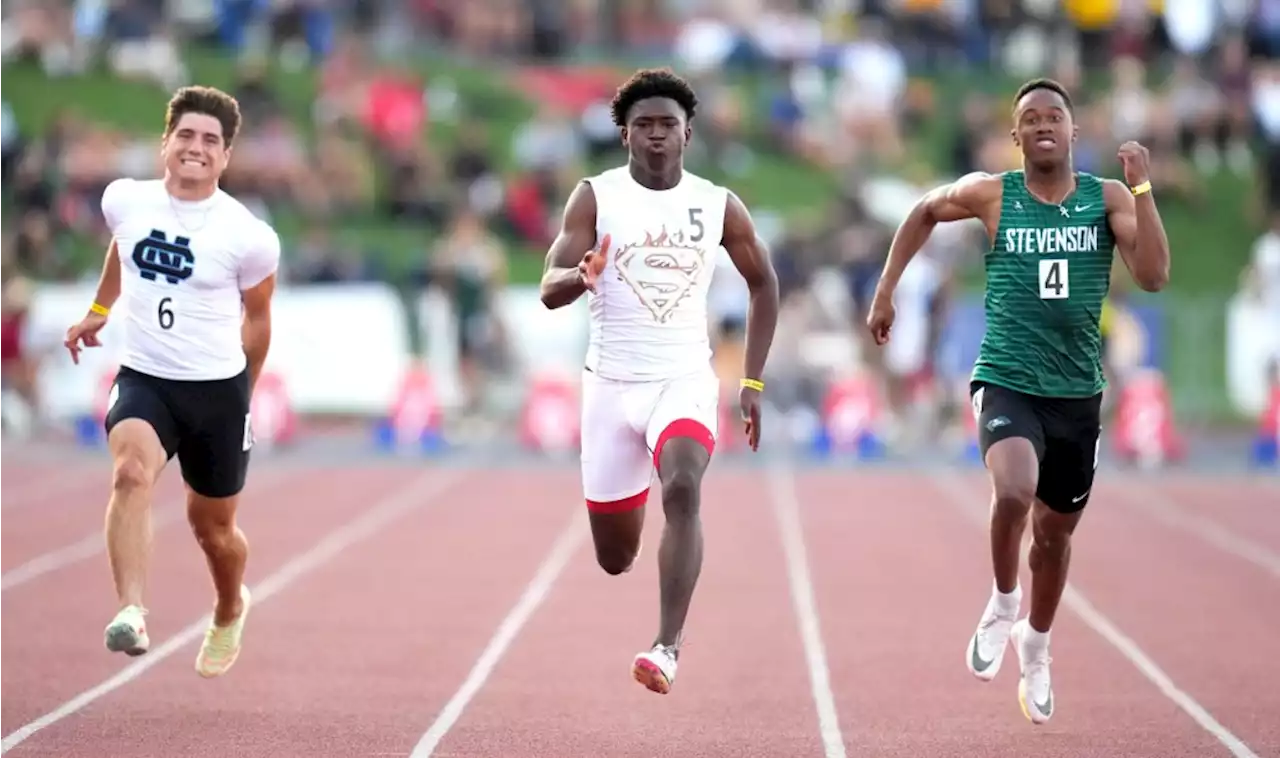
x=656 y=131
x=1043 y=127
x=195 y=150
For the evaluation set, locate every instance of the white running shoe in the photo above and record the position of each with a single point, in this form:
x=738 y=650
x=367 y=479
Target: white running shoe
x=656 y=668
x=127 y=632
x=1035 y=692
x=987 y=645
x=221 y=645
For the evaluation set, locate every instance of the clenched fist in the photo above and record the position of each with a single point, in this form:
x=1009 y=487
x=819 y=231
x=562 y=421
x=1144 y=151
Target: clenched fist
x=1137 y=163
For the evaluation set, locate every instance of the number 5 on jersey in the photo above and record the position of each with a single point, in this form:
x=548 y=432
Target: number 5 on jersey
x=1055 y=281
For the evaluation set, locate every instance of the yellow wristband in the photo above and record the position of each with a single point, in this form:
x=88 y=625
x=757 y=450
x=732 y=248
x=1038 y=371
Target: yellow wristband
x=1141 y=188
x=99 y=309
x=754 y=384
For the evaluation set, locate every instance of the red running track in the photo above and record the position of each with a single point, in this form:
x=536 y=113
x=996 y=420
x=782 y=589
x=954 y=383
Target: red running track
x=441 y=612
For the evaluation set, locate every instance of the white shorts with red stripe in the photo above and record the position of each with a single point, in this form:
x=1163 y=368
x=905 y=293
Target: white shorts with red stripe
x=625 y=425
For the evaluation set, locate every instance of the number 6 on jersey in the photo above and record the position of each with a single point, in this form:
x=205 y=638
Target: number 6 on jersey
x=165 y=314
x=1055 y=282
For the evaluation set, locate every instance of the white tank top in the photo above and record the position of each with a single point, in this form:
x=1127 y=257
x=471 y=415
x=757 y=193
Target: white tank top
x=649 y=313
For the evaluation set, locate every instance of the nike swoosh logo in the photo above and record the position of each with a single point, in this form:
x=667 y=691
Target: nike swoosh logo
x=1080 y=208
x=979 y=665
x=1082 y=497
x=1045 y=708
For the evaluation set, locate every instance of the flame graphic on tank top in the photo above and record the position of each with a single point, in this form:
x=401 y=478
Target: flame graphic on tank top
x=661 y=270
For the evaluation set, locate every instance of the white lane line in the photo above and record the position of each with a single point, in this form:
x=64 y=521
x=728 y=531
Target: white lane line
x=419 y=492
x=79 y=477
x=532 y=597
x=957 y=492
x=1164 y=510
x=93 y=544
x=786 y=509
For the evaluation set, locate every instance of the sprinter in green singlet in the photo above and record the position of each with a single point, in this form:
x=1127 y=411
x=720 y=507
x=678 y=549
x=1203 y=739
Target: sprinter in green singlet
x=1037 y=384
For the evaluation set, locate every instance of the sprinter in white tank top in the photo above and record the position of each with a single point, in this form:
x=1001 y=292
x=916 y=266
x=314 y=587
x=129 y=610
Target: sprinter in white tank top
x=642 y=240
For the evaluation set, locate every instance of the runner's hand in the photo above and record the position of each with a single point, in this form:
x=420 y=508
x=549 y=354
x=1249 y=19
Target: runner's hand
x=84 y=332
x=592 y=264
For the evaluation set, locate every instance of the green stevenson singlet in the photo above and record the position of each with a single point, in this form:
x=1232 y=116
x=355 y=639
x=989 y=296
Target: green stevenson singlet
x=1048 y=271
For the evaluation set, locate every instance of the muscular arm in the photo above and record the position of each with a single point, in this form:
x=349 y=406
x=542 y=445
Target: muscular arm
x=561 y=282
x=255 y=329
x=751 y=258
x=109 y=282
x=975 y=195
x=1139 y=234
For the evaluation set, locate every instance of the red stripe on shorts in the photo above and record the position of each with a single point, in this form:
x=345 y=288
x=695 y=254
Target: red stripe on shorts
x=619 y=506
x=684 y=427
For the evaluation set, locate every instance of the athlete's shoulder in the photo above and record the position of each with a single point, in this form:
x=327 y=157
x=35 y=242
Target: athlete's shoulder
x=128 y=187
x=973 y=190
x=608 y=177
x=1115 y=193
x=125 y=195
x=239 y=220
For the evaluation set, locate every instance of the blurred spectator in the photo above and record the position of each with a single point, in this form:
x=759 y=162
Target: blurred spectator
x=21 y=401
x=394 y=153
x=470 y=265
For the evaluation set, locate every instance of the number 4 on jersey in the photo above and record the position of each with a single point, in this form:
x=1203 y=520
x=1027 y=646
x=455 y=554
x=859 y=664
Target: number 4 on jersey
x=1055 y=280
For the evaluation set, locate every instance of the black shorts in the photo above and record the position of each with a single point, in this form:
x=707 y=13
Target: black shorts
x=204 y=423
x=1065 y=433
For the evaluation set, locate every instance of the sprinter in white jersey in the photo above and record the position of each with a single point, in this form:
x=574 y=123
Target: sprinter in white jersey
x=190 y=273
x=642 y=239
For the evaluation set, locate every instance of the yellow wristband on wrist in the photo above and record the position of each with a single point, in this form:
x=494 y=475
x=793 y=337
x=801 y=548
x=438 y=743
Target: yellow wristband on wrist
x=1141 y=189
x=754 y=384
x=99 y=309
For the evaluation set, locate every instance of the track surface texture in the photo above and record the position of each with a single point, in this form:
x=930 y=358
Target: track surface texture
x=436 y=610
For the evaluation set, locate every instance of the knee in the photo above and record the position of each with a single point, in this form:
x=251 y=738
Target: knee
x=615 y=561
x=130 y=473
x=680 y=487
x=1053 y=544
x=1013 y=497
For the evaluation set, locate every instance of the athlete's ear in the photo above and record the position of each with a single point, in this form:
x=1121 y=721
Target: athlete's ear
x=623 y=133
x=1014 y=134
x=688 y=133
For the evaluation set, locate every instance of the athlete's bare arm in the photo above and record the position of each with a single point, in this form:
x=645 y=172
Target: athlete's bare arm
x=108 y=292
x=562 y=281
x=975 y=195
x=751 y=258
x=1139 y=233
x=255 y=330
x=109 y=282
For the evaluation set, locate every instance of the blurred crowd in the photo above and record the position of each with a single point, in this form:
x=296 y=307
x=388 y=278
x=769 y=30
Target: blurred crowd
x=840 y=94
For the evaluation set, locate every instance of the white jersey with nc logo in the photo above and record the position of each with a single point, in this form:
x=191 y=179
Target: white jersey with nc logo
x=649 y=313
x=183 y=266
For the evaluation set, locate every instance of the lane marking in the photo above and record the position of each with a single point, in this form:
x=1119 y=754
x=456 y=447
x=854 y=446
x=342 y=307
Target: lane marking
x=92 y=544
x=508 y=630
x=68 y=481
x=424 y=489
x=955 y=491
x=1168 y=512
x=786 y=509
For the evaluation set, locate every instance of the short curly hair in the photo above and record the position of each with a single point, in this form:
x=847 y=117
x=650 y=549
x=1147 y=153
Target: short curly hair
x=1045 y=84
x=653 y=82
x=209 y=101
